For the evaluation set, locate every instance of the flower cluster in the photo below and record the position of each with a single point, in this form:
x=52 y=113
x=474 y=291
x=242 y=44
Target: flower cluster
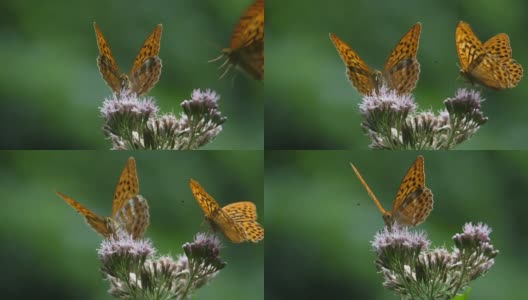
x=410 y=268
x=134 y=272
x=391 y=121
x=131 y=122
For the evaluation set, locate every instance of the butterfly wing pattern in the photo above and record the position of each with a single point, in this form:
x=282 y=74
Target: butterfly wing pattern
x=106 y=63
x=413 y=202
x=246 y=47
x=237 y=221
x=145 y=71
x=489 y=64
x=401 y=70
x=357 y=71
x=130 y=211
x=94 y=221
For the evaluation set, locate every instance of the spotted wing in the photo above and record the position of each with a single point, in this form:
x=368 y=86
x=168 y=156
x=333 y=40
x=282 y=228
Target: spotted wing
x=146 y=76
x=221 y=221
x=244 y=214
x=205 y=201
x=97 y=223
x=146 y=70
x=357 y=71
x=106 y=63
x=413 y=201
x=127 y=186
x=402 y=69
x=468 y=47
x=499 y=47
x=133 y=217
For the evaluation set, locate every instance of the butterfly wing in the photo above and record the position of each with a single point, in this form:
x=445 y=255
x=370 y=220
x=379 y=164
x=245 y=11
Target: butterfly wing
x=127 y=186
x=383 y=212
x=246 y=47
x=250 y=27
x=357 y=71
x=133 y=217
x=499 y=46
x=402 y=69
x=250 y=59
x=513 y=70
x=468 y=46
x=97 y=223
x=146 y=70
x=106 y=63
x=205 y=201
x=476 y=63
x=509 y=71
x=415 y=208
x=146 y=76
x=413 y=201
x=221 y=221
x=217 y=218
x=244 y=214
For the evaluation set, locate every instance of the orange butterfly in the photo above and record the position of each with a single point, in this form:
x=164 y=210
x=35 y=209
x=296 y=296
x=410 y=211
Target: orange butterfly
x=401 y=70
x=246 y=48
x=237 y=221
x=129 y=209
x=413 y=202
x=145 y=71
x=489 y=64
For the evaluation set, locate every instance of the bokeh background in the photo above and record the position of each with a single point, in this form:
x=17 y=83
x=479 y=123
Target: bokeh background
x=50 y=86
x=311 y=105
x=321 y=220
x=48 y=252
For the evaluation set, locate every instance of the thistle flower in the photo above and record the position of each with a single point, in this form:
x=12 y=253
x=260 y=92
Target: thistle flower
x=392 y=121
x=135 y=273
x=202 y=118
x=121 y=255
x=131 y=122
x=203 y=260
x=410 y=268
x=473 y=253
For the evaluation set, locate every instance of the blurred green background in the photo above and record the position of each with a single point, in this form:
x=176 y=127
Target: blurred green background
x=50 y=86
x=321 y=220
x=48 y=252
x=311 y=105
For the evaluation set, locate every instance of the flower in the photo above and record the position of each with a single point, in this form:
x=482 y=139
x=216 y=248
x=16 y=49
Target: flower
x=133 y=123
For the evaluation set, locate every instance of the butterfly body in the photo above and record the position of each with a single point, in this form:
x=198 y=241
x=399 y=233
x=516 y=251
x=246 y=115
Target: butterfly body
x=246 y=47
x=488 y=64
x=401 y=70
x=237 y=221
x=145 y=71
x=413 y=202
x=130 y=211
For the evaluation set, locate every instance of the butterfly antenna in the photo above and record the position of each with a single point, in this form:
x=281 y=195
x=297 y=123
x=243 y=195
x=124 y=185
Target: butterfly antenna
x=369 y=192
x=216 y=58
x=223 y=65
x=229 y=66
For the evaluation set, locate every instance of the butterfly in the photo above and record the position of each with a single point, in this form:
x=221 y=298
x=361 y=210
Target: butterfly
x=145 y=71
x=401 y=70
x=489 y=64
x=246 y=48
x=130 y=211
x=413 y=202
x=237 y=221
